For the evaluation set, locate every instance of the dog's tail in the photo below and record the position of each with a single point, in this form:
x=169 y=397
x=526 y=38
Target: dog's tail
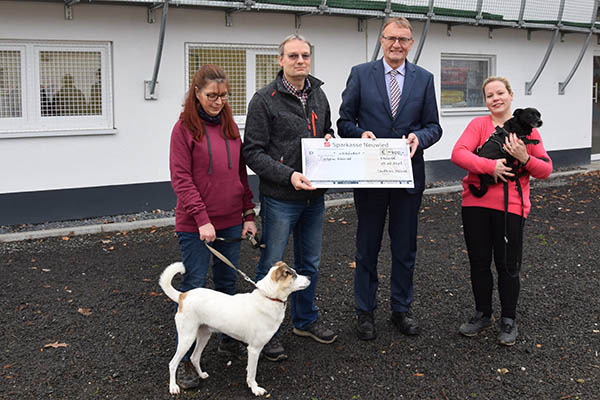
x=167 y=276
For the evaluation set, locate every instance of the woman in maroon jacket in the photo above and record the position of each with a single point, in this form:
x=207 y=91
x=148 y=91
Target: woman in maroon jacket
x=208 y=175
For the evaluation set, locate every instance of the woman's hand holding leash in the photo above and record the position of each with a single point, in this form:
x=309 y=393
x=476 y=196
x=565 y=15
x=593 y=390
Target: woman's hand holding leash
x=207 y=232
x=249 y=227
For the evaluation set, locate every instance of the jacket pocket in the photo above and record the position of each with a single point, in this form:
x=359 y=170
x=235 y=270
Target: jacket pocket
x=224 y=197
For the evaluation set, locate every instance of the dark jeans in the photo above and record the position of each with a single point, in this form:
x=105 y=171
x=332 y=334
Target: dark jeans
x=484 y=236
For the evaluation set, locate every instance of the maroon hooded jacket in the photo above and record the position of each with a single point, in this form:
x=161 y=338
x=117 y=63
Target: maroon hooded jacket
x=209 y=179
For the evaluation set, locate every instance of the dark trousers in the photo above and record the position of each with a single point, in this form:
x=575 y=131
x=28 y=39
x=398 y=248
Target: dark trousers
x=484 y=236
x=372 y=206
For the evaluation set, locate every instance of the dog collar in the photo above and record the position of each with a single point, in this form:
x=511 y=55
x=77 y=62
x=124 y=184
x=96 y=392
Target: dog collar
x=273 y=299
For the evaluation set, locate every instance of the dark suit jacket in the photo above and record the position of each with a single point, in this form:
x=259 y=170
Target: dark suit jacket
x=366 y=107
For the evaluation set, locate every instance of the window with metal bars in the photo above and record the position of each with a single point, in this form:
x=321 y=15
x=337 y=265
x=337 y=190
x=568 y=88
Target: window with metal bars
x=10 y=84
x=248 y=68
x=51 y=87
x=461 y=78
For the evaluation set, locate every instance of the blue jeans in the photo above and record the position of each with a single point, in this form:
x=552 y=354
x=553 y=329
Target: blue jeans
x=280 y=218
x=196 y=259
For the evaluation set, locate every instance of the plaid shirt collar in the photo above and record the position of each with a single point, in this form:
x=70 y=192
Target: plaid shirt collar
x=302 y=95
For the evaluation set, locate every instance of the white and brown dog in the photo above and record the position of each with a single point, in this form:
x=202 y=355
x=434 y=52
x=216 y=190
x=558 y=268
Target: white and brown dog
x=252 y=318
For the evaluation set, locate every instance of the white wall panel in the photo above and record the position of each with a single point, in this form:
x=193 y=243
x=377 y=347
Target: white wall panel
x=138 y=153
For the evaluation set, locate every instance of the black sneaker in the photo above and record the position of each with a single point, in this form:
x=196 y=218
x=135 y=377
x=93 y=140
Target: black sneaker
x=508 y=332
x=318 y=331
x=232 y=347
x=187 y=377
x=476 y=324
x=365 y=326
x=273 y=350
x=405 y=323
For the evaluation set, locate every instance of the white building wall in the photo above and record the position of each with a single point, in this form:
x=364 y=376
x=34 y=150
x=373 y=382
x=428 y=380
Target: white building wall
x=518 y=59
x=138 y=153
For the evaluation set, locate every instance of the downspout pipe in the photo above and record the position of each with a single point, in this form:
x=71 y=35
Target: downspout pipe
x=562 y=85
x=529 y=85
x=424 y=34
x=388 y=11
x=161 y=39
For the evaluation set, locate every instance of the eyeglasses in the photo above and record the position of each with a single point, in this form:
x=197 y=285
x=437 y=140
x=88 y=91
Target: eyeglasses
x=294 y=56
x=214 y=96
x=394 y=39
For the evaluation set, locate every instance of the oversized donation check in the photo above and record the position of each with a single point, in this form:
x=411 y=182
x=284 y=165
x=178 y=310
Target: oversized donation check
x=361 y=163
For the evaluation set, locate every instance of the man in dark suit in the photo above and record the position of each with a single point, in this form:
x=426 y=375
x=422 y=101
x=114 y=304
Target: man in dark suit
x=389 y=98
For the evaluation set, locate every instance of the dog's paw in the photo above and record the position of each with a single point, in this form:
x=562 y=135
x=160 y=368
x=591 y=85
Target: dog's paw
x=258 y=391
x=174 y=389
x=203 y=375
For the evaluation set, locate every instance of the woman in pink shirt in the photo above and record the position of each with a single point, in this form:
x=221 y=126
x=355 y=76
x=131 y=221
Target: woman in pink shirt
x=208 y=176
x=493 y=226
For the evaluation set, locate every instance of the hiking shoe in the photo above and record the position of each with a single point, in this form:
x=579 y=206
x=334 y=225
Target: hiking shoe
x=476 y=324
x=232 y=347
x=187 y=377
x=365 y=326
x=318 y=331
x=405 y=323
x=508 y=331
x=273 y=350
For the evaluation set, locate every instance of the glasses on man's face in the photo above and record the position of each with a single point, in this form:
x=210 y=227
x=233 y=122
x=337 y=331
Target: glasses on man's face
x=399 y=39
x=215 y=96
x=294 y=56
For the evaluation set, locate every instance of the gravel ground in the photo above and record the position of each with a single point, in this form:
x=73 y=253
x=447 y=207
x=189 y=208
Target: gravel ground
x=84 y=317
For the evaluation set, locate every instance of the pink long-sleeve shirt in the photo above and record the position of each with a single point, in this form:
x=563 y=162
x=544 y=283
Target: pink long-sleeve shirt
x=219 y=197
x=463 y=155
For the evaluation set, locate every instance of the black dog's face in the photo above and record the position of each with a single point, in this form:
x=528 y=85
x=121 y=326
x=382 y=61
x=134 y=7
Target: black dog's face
x=528 y=116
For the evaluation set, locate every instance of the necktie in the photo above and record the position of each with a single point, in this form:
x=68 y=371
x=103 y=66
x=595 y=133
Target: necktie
x=394 y=92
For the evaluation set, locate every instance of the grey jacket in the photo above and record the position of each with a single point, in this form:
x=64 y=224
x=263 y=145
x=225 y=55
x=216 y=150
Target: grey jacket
x=275 y=123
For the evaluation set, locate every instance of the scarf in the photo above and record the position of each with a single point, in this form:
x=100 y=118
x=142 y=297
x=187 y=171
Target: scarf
x=213 y=120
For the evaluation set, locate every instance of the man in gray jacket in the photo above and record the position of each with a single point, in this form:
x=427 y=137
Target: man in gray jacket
x=288 y=109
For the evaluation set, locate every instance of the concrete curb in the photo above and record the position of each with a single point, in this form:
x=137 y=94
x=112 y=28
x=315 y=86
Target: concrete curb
x=161 y=222
x=88 y=229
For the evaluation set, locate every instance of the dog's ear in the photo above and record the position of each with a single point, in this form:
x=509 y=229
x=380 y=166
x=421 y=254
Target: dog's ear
x=280 y=272
x=517 y=112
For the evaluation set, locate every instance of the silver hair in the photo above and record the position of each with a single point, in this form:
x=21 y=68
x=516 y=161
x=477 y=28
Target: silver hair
x=293 y=36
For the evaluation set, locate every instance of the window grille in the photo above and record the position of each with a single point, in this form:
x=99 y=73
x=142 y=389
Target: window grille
x=49 y=87
x=70 y=83
x=267 y=67
x=248 y=68
x=10 y=84
x=461 y=79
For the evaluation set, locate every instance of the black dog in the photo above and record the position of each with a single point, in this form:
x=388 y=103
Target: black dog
x=521 y=124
